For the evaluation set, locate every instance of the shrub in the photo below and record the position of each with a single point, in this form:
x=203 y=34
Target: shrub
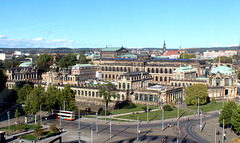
x=213 y=100
x=38 y=129
x=102 y=113
x=172 y=104
x=144 y=108
x=167 y=108
x=53 y=128
x=125 y=105
x=19 y=127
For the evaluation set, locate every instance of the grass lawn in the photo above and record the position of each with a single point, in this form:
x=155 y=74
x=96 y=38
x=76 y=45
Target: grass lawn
x=207 y=107
x=138 y=108
x=29 y=137
x=14 y=128
x=156 y=115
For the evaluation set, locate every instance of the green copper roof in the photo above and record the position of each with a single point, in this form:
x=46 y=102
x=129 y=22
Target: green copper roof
x=111 y=49
x=128 y=56
x=82 y=65
x=223 y=70
x=26 y=64
x=185 y=69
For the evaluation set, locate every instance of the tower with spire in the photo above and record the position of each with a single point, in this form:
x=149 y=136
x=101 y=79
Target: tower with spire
x=164 y=47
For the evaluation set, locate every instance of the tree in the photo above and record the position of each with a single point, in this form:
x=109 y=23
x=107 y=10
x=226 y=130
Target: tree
x=213 y=100
x=67 y=60
x=35 y=99
x=224 y=59
x=239 y=74
x=235 y=119
x=44 y=62
x=52 y=96
x=187 y=56
x=3 y=80
x=82 y=59
x=226 y=113
x=38 y=129
x=53 y=128
x=23 y=93
x=107 y=91
x=68 y=95
x=17 y=114
x=194 y=92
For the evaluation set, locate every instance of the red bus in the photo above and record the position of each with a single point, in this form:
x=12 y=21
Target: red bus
x=64 y=115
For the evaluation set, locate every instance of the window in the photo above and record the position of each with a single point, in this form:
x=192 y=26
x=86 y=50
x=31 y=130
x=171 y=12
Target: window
x=125 y=69
x=179 y=84
x=161 y=70
x=89 y=93
x=117 y=69
x=93 y=94
x=166 y=70
x=156 y=78
x=152 y=70
x=178 y=77
x=113 y=76
x=172 y=83
x=85 y=93
x=136 y=96
x=124 y=86
x=82 y=93
x=105 y=75
x=146 y=97
x=118 y=97
x=119 y=85
x=122 y=96
x=157 y=70
x=78 y=92
x=218 y=81
x=226 y=81
x=151 y=98
x=175 y=84
x=165 y=79
x=181 y=77
x=109 y=76
x=160 y=78
x=156 y=98
x=148 y=70
x=128 y=86
x=183 y=84
x=170 y=70
x=141 y=97
x=210 y=81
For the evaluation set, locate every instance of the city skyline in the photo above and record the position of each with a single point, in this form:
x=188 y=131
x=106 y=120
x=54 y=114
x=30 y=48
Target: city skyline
x=95 y=24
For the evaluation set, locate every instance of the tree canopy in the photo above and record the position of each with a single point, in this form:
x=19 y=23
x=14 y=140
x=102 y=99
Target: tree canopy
x=3 y=80
x=235 y=119
x=68 y=95
x=107 y=91
x=226 y=113
x=188 y=56
x=225 y=59
x=67 y=60
x=52 y=98
x=82 y=59
x=194 y=92
x=44 y=62
x=23 y=93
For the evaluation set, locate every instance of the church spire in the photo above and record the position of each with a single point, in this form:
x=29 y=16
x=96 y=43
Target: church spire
x=164 y=47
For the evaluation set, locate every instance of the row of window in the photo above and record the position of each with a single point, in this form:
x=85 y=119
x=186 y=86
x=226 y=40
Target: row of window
x=218 y=81
x=93 y=94
x=162 y=79
x=161 y=70
x=181 y=84
x=146 y=97
x=122 y=69
x=123 y=86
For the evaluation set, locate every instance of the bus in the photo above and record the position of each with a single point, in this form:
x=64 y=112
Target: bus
x=64 y=115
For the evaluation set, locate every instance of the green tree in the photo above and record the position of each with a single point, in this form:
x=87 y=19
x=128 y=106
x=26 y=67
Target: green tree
x=82 y=59
x=44 y=62
x=213 y=100
x=67 y=60
x=224 y=59
x=68 y=95
x=187 y=56
x=17 y=114
x=23 y=93
x=226 y=113
x=53 y=128
x=239 y=74
x=107 y=91
x=235 y=119
x=51 y=101
x=35 y=98
x=194 y=92
x=3 y=80
x=38 y=131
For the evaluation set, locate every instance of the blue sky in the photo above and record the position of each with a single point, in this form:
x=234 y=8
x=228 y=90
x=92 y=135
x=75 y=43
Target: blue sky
x=131 y=23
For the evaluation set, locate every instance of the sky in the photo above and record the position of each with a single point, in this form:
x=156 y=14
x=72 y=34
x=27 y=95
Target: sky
x=127 y=23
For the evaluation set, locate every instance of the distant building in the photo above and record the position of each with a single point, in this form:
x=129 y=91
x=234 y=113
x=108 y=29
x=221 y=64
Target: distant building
x=172 y=54
x=5 y=56
x=164 y=47
x=113 y=52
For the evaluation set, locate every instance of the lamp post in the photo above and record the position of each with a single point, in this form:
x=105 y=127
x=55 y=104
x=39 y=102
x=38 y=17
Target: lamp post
x=137 y=126
x=147 y=113
x=60 y=116
x=96 y=122
x=105 y=113
x=110 y=126
x=79 y=138
x=223 y=132
x=162 y=118
x=8 y=113
x=79 y=114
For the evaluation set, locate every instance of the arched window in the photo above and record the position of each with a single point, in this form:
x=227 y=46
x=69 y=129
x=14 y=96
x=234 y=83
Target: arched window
x=123 y=97
x=226 y=81
x=125 y=69
x=106 y=68
x=160 y=78
x=93 y=94
x=172 y=83
x=175 y=84
x=218 y=81
x=78 y=92
x=128 y=86
x=85 y=93
x=136 y=96
x=82 y=93
x=146 y=97
x=119 y=85
x=156 y=98
x=113 y=69
x=170 y=71
x=141 y=97
x=102 y=75
x=166 y=70
x=169 y=79
x=124 y=86
x=210 y=81
x=152 y=70
x=89 y=93
x=105 y=75
x=137 y=69
x=148 y=70
x=117 y=69
x=151 y=98
x=118 y=97
x=179 y=84
x=102 y=68
x=121 y=69
x=129 y=70
x=110 y=69
x=157 y=70
x=165 y=79
x=161 y=70
x=109 y=76
x=156 y=78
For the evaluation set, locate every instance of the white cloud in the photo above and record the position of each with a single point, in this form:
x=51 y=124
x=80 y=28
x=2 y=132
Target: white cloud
x=38 y=39
x=34 y=43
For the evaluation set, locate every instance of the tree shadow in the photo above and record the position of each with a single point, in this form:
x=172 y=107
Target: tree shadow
x=153 y=118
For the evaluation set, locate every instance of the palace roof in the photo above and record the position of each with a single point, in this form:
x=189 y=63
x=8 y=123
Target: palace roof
x=27 y=64
x=110 y=49
x=222 y=70
x=185 y=69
